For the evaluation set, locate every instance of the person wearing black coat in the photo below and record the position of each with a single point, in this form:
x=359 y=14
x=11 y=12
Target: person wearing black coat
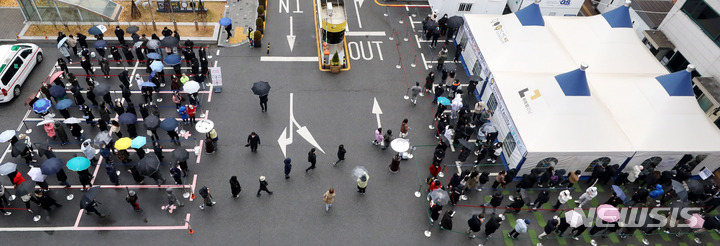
x=494 y=201
x=76 y=131
x=189 y=55
x=112 y=174
x=551 y=225
x=442 y=23
x=288 y=167
x=577 y=231
x=562 y=227
x=666 y=178
x=493 y=224
x=622 y=179
x=312 y=158
x=82 y=40
x=253 y=140
x=435 y=210
x=484 y=178
x=120 y=34
x=510 y=176
x=542 y=198
x=640 y=196
x=682 y=175
x=263 y=186
x=235 y=187
x=116 y=54
x=62 y=177
x=340 y=154
x=475 y=222
x=194 y=67
x=85 y=178
x=609 y=172
x=455 y=194
x=545 y=177
x=597 y=172
x=128 y=54
x=446 y=221
x=516 y=205
x=45 y=201
x=455 y=180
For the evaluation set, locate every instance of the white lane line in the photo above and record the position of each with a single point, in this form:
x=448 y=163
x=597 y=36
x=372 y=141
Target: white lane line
x=215 y=64
x=217 y=53
x=417 y=40
x=412 y=23
x=77 y=220
x=374 y=34
x=289 y=58
x=424 y=61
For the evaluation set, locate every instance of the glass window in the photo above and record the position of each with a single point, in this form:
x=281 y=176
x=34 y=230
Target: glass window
x=677 y=62
x=705 y=103
x=465 y=7
x=705 y=17
x=509 y=144
x=492 y=104
x=26 y=53
x=11 y=70
x=598 y=161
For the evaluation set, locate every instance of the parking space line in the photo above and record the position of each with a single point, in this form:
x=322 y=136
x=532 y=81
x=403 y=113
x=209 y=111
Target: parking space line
x=77 y=220
x=199 y=155
x=96 y=171
x=192 y=187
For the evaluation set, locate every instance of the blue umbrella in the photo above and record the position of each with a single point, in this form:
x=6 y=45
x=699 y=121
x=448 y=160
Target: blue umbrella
x=127 y=118
x=152 y=75
x=100 y=44
x=619 y=192
x=172 y=59
x=63 y=104
x=154 y=55
x=57 y=91
x=78 y=163
x=157 y=66
x=225 y=21
x=138 y=142
x=148 y=84
x=61 y=42
x=443 y=101
x=41 y=105
x=169 y=124
x=51 y=166
x=97 y=30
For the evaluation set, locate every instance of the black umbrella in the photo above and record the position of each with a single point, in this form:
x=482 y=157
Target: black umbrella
x=475 y=78
x=89 y=196
x=148 y=165
x=694 y=186
x=449 y=67
x=261 y=88
x=127 y=118
x=42 y=149
x=537 y=170
x=101 y=89
x=169 y=42
x=25 y=188
x=430 y=25
x=57 y=91
x=132 y=29
x=169 y=124
x=18 y=148
x=51 y=166
x=455 y=22
x=180 y=154
x=151 y=122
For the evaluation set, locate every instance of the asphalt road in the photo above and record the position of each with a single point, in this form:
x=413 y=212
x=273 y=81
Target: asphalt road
x=335 y=108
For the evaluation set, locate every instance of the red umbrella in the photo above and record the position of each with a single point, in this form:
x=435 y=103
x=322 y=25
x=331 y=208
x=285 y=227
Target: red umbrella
x=55 y=75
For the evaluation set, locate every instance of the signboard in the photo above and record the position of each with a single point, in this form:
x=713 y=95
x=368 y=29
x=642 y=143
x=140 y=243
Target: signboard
x=505 y=114
x=216 y=76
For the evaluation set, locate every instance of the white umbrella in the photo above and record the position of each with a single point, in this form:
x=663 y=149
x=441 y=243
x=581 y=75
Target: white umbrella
x=573 y=218
x=7 y=135
x=358 y=171
x=36 y=174
x=45 y=121
x=400 y=145
x=191 y=87
x=204 y=126
x=72 y=120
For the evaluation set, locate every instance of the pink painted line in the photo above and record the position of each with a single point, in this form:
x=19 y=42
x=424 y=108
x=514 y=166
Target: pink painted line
x=77 y=221
x=200 y=155
x=96 y=170
x=210 y=93
x=192 y=187
x=130 y=228
x=142 y=186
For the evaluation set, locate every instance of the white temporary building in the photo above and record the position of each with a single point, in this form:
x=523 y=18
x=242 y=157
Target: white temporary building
x=622 y=115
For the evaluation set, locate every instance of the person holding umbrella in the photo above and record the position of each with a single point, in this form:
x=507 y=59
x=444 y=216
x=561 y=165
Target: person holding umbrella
x=262 y=88
x=90 y=208
x=63 y=48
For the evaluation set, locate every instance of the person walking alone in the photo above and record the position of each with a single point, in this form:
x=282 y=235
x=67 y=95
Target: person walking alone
x=362 y=183
x=235 y=187
x=207 y=197
x=341 y=154
x=312 y=158
x=132 y=198
x=415 y=90
x=253 y=140
x=520 y=227
x=173 y=202
x=404 y=128
x=263 y=186
x=288 y=167
x=263 y=102
x=329 y=198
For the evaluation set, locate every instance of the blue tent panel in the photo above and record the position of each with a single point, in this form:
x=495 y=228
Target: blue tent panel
x=677 y=84
x=574 y=83
x=530 y=15
x=619 y=17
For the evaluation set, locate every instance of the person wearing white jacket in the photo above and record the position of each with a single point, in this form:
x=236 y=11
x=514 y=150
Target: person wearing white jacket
x=563 y=198
x=589 y=194
x=635 y=173
x=520 y=227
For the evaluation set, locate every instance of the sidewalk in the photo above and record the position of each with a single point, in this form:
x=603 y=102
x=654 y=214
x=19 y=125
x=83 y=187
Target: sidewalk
x=243 y=14
x=12 y=23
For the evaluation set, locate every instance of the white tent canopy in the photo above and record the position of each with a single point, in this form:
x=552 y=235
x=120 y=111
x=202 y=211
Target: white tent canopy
x=629 y=114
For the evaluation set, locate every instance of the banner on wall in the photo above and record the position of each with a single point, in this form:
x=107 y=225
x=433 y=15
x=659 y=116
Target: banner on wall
x=505 y=114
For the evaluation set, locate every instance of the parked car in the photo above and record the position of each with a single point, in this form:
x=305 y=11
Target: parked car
x=16 y=63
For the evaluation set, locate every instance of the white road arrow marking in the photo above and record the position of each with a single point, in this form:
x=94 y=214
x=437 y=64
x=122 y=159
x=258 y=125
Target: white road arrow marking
x=284 y=141
x=291 y=37
x=377 y=111
x=358 y=4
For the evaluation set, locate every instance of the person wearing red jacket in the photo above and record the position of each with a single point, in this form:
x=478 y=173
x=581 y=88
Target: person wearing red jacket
x=191 y=112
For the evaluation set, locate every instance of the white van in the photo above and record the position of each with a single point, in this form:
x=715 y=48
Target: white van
x=16 y=63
